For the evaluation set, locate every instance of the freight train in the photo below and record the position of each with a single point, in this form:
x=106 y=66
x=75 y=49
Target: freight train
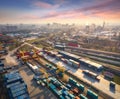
x=82 y=61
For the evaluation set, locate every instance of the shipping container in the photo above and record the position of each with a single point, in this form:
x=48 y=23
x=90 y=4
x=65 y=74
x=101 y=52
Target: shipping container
x=71 y=96
x=75 y=90
x=13 y=84
x=74 y=63
x=24 y=96
x=68 y=86
x=59 y=56
x=18 y=86
x=65 y=93
x=11 y=76
x=13 y=80
x=71 y=81
x=112 y=84
x=91 y=94
x=67 y=97
x=64 y=60
x=19 y=93
x=1 y=69
x=90 y=64
x=1 y=65
x=82 y=96
x=69 y=55
x=52 y=86
x=61 y=97
x=91 y=74
x=18 y=89
x=81 y=87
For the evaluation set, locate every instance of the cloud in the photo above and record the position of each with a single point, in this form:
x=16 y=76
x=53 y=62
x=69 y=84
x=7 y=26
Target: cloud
x=102 y=6
x=29 y=17
x=45 y=5
x=63 y=15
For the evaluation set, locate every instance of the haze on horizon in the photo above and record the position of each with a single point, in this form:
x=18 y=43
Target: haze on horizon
x=60 y=11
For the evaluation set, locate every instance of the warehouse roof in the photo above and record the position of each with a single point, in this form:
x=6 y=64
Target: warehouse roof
x=92 y=63
x=72 y=55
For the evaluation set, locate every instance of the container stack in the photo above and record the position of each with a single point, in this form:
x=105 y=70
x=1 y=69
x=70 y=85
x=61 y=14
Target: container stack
x=72 y=81
x=60 y=90
x=1 y=67
x=16 y=87
x=83 y=97
x=91 y=94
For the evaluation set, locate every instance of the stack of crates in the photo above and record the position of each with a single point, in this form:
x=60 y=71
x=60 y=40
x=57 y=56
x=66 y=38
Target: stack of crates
x=15 y=85
x=91 y=94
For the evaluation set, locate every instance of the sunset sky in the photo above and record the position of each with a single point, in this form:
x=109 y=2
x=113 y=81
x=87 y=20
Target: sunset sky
x=60 y=11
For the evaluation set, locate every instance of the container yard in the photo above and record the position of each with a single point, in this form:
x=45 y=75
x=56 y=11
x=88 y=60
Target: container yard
x=60 y=49
x=70 y=89
x=60 y=74
x=16 y=87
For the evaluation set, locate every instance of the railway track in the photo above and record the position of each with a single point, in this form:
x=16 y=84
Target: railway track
x=109 y=67
x=96 y=51
x=99 y=57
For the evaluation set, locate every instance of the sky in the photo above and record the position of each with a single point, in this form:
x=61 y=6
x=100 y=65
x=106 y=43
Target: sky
x=59 y=11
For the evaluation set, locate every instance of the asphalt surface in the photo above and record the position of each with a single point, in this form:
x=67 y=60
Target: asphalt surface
x=35 y=91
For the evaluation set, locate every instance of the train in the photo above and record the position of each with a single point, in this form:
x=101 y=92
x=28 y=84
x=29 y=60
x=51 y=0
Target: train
x=90 y=64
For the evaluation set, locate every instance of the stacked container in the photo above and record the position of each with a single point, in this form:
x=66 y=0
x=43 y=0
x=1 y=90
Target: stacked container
x=71 y=81
x=91 y=94
x=1 y=67
x=82 y=96
x=15 y=85
x=59 y=89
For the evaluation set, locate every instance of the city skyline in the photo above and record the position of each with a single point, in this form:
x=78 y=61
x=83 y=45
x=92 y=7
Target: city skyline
x=60 y=11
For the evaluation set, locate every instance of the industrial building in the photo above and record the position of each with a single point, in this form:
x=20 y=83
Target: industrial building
x=82 y=61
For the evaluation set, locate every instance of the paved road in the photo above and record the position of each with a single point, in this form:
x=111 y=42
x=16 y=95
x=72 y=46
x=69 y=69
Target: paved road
x=10 y=59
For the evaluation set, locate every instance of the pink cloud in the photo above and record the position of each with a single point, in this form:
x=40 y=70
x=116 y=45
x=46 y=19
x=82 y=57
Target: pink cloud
x=64 y=14
x=45 y=5
x=30 y=17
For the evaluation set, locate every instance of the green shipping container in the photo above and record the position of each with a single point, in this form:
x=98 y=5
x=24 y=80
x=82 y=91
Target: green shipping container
x=81 y=87
x=82 y=96
x=61 y=97
x=71 y=96
x=72 y=81
x=92 y=94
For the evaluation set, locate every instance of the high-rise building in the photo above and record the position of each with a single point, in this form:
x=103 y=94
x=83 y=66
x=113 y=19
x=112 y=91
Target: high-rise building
x=103 y=25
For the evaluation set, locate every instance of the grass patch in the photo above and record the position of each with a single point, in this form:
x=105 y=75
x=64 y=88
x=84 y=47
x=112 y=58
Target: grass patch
x=116 y=79
x=35 y=40
x=13 y=46
x=25 y=48
x=39 y=45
